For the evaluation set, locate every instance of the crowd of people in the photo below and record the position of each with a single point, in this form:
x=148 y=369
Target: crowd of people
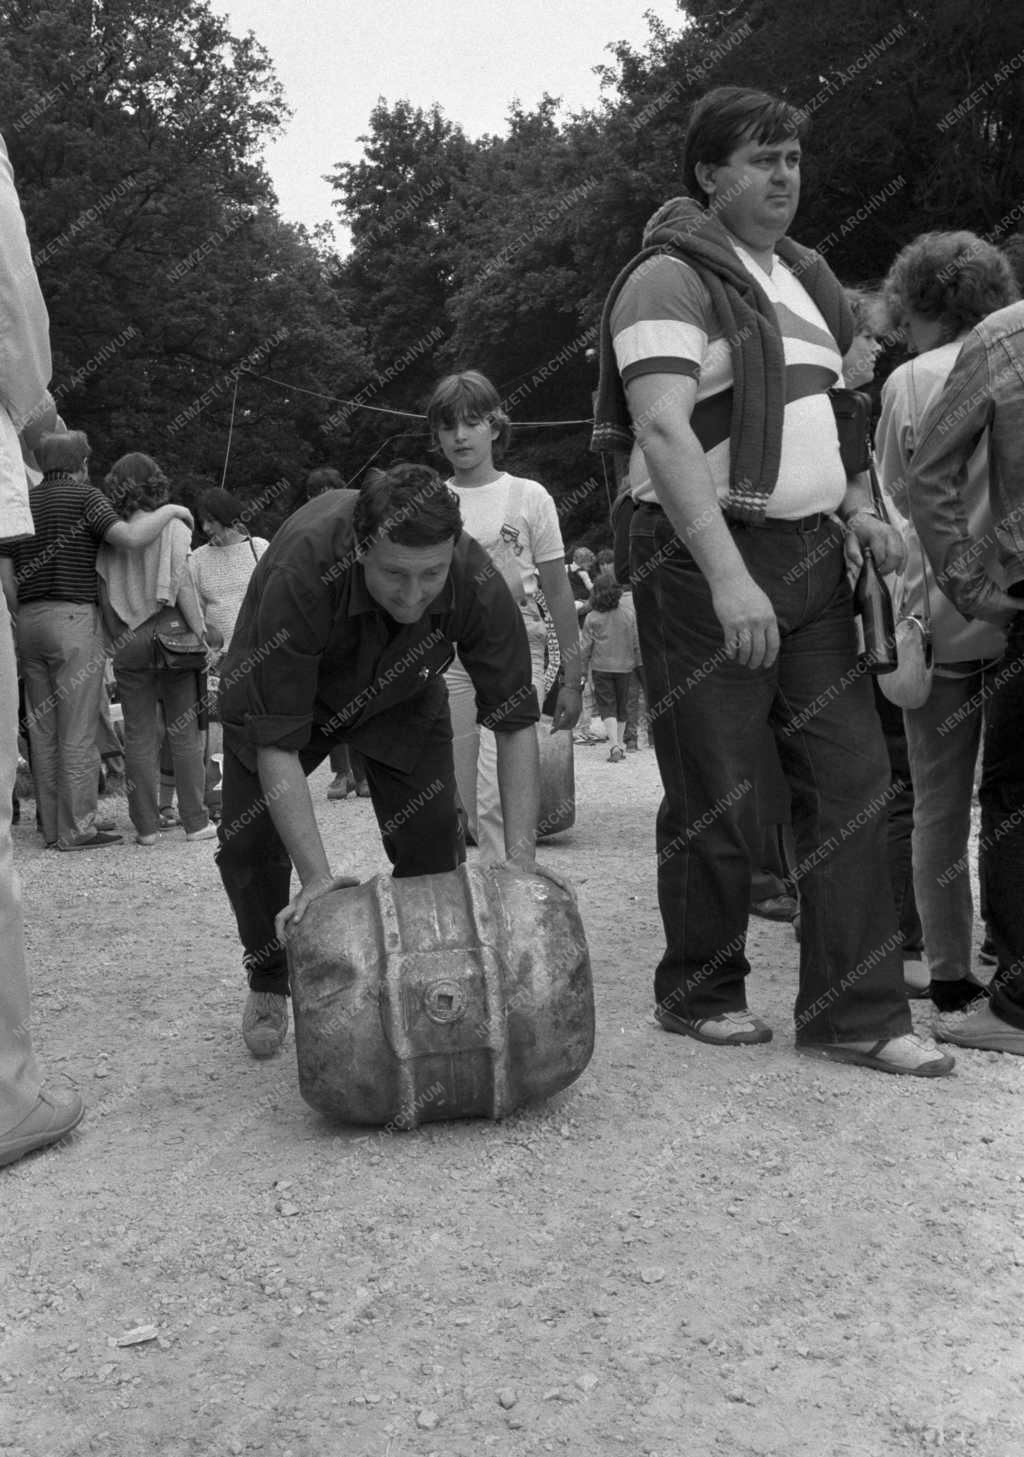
x=412 y=632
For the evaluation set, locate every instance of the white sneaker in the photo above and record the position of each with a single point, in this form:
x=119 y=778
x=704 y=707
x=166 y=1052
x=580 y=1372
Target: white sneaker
x=208 y=832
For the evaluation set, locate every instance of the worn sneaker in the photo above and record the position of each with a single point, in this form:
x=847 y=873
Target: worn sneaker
x=50 y=1120
x=909 y=1055
x=616 y=754
x=265 y=1023
x=208 y=832
x=728 y=1029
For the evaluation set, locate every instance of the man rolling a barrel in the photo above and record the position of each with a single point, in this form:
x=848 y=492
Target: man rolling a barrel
x=349 y=622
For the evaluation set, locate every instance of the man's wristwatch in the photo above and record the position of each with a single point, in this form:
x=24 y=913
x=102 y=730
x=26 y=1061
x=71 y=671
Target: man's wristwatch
x=862 y=511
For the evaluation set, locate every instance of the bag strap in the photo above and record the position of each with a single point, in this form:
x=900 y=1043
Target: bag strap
x=915 y=418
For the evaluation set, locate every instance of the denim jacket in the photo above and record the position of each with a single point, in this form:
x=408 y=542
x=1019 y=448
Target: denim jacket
x=984 y=393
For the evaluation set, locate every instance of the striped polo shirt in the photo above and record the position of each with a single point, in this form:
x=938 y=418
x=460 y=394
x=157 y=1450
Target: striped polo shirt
x=58 y=564
x=663 y=322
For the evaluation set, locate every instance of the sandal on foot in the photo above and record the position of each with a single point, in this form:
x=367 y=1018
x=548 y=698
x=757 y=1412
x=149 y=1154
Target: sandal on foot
x=728 y=1029
x=909 y=1055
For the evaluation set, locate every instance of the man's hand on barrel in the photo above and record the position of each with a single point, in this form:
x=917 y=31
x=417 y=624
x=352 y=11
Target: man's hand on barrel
x=299 y=904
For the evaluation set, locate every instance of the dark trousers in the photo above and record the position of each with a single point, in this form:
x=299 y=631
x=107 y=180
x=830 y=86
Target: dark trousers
x=708 y=717
x=1001 y=795
x=901 y=823
x=419 y=824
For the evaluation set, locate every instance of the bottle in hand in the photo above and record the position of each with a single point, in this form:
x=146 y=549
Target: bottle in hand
x=872 y=601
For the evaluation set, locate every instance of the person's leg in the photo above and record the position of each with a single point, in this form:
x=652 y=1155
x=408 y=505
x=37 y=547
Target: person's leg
x=942 y=739
x=80 y=688
x=831 y=750
x=343 y=783
x=901 y=823
x=19 y=1074
x=136 y=684
x=632 y=726
x=36 y=651
x=358 y=766
x=706 y=717
x=466 y=737
x=490 y=824
x=179 y=693
x=417 y=811
x=1001 y=795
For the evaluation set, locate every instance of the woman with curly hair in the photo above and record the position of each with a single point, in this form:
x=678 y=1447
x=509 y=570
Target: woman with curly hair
x=938 y=288
x=148 y=592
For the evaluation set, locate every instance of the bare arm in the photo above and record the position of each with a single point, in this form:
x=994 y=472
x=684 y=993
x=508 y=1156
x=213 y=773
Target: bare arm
x=188 y=603
x=868 y=530
x=519 y=787
x=661 y=406
x=146 y=527
x=555 y=585
x=8 y=584
x=291 y=808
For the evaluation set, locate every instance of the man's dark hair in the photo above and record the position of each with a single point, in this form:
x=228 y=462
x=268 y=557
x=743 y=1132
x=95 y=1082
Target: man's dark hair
x=409 y=505
x=727 y=117
x=323 y=478
x=221 y=506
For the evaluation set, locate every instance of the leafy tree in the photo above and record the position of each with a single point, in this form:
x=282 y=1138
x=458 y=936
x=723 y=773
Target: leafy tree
x=135 y=128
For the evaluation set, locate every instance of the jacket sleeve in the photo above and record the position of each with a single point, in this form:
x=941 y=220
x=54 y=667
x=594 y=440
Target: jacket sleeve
x=25 y=364
x=950 y=431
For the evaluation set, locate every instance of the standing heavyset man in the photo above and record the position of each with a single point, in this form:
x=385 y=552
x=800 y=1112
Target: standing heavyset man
x=719 y=344
x=350 y=620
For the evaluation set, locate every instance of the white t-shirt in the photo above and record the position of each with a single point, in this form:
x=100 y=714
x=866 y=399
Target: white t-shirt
x=221 y=575
x=516 y=523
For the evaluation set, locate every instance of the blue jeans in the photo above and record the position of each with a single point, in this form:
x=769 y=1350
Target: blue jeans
x=145 y=693
x=1001 y=795
x=943 y=737
x=707 y=718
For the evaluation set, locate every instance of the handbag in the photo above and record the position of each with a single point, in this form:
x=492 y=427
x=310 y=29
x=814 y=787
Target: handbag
x=177 y=650
x=911 y=683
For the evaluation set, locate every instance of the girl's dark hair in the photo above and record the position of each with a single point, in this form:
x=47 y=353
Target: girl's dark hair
x=606 y=594
x=409 y=505
x=468 y=396
x=136 y=483
x=221 y=506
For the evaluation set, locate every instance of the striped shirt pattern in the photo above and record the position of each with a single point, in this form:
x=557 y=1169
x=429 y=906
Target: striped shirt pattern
x=58 y=564
x=663 y=323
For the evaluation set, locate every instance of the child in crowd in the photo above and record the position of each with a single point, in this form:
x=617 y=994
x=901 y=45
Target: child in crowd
x=516 y=523
x=611 y=649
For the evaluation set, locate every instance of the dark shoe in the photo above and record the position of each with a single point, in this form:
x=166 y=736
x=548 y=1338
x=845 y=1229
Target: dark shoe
x=775 y=908
x=957 y=996
x=728 y=1029
x=96 y=841
x=984 y=1031
x=362 y=789
x=987 y=955
x=340 y=787
x=265 y=1023
x=169 y=817
x=909 y=1055
x=105 y=826
x=49 y=1122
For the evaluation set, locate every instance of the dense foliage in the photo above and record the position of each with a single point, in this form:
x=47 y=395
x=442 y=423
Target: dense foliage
x=136 y=129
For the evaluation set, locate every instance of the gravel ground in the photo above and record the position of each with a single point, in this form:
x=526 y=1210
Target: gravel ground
x=691 y=1251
